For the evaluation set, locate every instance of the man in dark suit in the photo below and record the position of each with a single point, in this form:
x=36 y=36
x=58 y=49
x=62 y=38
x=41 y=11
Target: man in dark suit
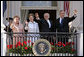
x=45 y=25
x=62 y=22
x=7 y=28
x=36 y=20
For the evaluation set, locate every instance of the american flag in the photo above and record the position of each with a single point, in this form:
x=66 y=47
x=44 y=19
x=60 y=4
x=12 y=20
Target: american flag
x=67 y=7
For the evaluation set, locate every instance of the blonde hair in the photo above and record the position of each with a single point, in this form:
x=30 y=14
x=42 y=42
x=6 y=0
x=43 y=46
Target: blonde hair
x=31 y=14
x=14 y=20
x=16 y=17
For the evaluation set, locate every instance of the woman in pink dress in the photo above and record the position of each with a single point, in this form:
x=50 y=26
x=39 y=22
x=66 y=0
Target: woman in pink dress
x=16 y=26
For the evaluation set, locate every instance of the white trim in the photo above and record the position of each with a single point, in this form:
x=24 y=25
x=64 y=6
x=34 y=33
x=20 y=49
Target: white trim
x=41 y=8
x=37 y=7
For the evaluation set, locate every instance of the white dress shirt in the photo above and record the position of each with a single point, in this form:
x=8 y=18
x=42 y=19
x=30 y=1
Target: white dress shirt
x=49 y=23
x=60 y=20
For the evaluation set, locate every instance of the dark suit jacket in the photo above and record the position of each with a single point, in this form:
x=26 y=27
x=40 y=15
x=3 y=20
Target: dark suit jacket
x=43 y=25
x=8 y=29
x=64 y=27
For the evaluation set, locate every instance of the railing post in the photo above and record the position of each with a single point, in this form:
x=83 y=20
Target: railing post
x=80 y=44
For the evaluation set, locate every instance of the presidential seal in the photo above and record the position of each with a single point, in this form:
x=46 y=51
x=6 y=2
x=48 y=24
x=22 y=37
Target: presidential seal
x=41 y=47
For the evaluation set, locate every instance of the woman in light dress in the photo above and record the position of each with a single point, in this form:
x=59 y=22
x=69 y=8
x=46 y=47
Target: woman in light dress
x=16 y=26
x=32 y=27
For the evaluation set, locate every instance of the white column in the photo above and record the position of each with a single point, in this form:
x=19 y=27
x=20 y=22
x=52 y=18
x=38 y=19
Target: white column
x=75 y=5
x=80 y=29
x=15 y=7
x=78 y=22
x=80 y=50
x=3 y=36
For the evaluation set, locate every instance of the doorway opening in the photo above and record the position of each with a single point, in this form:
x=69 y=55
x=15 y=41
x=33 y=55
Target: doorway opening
x=41 y=14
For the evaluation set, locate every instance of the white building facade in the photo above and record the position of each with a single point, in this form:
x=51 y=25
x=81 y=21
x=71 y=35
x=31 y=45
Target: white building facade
x=16 y=7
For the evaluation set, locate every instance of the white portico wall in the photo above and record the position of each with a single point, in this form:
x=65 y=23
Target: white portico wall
x=3 y=36
x=78 y=22
x=15 y=7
